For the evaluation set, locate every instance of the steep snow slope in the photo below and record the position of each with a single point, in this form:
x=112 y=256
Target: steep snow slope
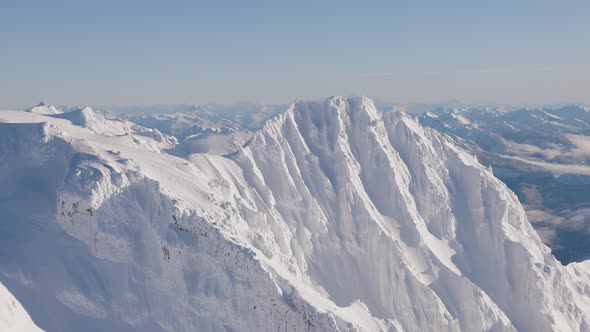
x=13 y=317
x=416 y=215
x=334 y=216
x=91 y=242
x=542 y=155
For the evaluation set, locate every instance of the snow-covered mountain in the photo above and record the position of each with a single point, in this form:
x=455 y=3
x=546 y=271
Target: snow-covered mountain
x=332 y=217
x=13 y=317
x=43 y=108
x=542 y=155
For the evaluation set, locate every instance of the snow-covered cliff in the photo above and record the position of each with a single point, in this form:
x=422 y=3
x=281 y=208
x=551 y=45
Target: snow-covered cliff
x=334 y=216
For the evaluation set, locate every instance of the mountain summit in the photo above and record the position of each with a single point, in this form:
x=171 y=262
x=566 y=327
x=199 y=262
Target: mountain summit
x=44 y=109
x=333 y=217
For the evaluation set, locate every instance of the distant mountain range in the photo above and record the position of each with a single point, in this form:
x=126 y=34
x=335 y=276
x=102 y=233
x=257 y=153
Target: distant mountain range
x=543 y=155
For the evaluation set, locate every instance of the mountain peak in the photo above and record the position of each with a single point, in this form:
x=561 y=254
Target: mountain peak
x=86 y=110
x=339 y=166
x=44 y=109
x=335 y=103
x=196 y=108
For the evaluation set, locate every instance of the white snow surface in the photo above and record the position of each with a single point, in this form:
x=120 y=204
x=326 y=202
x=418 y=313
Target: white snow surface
x=13 y=317
x=44 y=109
x=333 y=217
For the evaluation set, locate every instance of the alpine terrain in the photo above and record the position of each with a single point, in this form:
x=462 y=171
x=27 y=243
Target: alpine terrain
x=542 y=155
x=334 y=216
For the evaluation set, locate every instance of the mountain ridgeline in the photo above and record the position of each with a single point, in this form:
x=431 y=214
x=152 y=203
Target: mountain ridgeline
x=334 y=216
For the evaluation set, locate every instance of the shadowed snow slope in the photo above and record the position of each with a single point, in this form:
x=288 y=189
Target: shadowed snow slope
x=334 y=216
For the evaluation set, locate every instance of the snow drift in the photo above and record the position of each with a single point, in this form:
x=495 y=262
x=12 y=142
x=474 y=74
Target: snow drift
x=334 y=216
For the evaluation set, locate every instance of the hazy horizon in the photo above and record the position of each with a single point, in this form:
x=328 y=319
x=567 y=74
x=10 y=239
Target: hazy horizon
x=416 y=107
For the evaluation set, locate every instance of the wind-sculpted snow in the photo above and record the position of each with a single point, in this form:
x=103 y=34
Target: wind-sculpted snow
x=382 y=211
x=334 y=216
x=89 y=243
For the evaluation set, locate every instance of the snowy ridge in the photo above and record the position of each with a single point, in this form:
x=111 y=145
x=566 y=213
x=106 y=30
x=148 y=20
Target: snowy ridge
x=133 y=257
x=44 y=109
x=100 y=125
x=334 y=216
x=380 y=175
x=13 y=317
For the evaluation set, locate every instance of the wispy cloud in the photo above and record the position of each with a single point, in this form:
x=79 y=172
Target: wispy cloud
x=491 y=70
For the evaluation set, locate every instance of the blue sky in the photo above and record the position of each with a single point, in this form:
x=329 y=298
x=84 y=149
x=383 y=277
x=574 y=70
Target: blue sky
x=170 y=52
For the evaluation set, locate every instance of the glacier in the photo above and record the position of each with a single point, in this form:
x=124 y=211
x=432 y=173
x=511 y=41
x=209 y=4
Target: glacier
x=334 y=216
